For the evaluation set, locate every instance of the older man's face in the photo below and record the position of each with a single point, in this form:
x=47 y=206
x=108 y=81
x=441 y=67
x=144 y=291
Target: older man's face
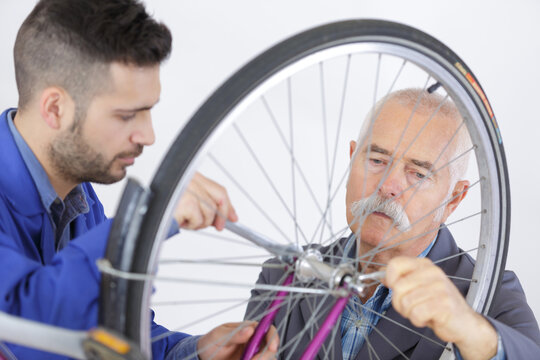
x=397 y=169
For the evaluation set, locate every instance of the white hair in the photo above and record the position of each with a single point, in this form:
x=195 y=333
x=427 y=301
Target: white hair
x=429 y=104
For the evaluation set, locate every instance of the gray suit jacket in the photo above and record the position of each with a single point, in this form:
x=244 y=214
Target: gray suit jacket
x=509 y=314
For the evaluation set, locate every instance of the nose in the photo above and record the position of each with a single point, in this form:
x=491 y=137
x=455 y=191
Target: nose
x=393 y=185
x=143 y=133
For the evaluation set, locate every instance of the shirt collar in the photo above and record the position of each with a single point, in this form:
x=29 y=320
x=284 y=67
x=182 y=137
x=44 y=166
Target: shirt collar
x=44 y=187
x=381 y=289
x=428 y=249
x=351 y=245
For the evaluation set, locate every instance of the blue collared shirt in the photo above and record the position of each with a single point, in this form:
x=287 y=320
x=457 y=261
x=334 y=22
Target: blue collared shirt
x=358 y=320
x=61 y=212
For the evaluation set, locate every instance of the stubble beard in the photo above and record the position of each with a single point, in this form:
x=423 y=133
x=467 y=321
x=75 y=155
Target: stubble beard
x=75 y=160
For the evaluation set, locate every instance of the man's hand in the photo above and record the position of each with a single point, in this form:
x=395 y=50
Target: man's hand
x=422 y=293
x=204 y=203
x=229 y=340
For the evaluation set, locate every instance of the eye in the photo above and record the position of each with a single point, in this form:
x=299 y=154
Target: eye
x=127 y=117
x=419 y=175
x=376 y=161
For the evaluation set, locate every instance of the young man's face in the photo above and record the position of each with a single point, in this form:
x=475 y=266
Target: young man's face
x=391 y=149
x=117 y=126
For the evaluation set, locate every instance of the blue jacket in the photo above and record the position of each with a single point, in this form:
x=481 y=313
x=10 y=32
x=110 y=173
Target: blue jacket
x=55 y=288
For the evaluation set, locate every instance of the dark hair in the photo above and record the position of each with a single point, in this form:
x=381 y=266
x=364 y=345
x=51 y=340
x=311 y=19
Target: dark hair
x=71 y=43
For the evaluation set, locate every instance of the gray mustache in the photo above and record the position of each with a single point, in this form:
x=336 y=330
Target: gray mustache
x=392 y=209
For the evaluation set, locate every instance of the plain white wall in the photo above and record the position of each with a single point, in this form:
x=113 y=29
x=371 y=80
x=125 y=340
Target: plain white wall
x=497 y=39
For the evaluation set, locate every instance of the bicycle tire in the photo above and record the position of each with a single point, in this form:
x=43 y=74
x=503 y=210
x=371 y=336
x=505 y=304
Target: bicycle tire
x=177 y=167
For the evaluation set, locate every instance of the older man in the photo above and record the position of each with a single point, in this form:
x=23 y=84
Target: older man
x=404 y=182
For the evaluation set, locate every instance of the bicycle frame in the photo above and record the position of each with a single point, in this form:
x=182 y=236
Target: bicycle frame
x=315 y=344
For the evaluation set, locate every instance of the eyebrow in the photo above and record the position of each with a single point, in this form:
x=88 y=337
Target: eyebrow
x=142 y=108
x=377 y=149
x=428 y=165
x=423 y=164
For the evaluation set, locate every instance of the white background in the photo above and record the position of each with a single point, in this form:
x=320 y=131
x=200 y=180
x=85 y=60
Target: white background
x=497 y=39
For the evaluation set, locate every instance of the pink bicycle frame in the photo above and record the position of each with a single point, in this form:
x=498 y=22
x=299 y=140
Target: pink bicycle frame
x=315 y=344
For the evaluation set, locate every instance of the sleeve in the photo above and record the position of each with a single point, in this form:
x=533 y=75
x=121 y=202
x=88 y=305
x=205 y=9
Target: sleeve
x=514 y=320
x=64 y=293
x=500 y=355
x=184 y=349
x=169 y=345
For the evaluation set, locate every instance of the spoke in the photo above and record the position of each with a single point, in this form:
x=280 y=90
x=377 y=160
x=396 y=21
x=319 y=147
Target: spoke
x=391 y=166
x=385 y=241
x=323 y=217
x=180 y=328
x=250 y=198
x=351 y=261
x=328 y=351
x=197 y=301
x=424 y=233
x=340 y=116
x=371 y=351
x=212 y=260
x=418 y=185
x=382 y=243
x=105 y=267
x=428 y=214
x=462 y=279
x=327 y=210
x=389 y=342
x=251 y=314
x=335 y=237
x=291 y=141
x=296 y=164
x=269 y=298
x=222 y=237
x=210 y=316
x=318 y=313
x=346 y=172
x=357 y=219
x=325 y=138
x=266 y=176
x=385 y=264
x=228 y=263
x=456 y=255
x=400 y=325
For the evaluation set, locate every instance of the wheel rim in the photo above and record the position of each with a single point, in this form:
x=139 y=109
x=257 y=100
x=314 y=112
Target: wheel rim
x=490 y=256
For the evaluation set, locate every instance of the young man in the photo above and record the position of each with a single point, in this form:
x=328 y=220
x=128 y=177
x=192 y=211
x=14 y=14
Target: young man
x=403 y=184
x=87 y=73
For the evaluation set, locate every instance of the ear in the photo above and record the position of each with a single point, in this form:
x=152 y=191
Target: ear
x=352 y=147
x=458 y=194
x=54 y=105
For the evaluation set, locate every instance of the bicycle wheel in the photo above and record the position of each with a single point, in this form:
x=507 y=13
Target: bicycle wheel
x=276 y=135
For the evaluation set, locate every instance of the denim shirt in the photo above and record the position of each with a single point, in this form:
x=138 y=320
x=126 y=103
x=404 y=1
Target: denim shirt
x=358 y=320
